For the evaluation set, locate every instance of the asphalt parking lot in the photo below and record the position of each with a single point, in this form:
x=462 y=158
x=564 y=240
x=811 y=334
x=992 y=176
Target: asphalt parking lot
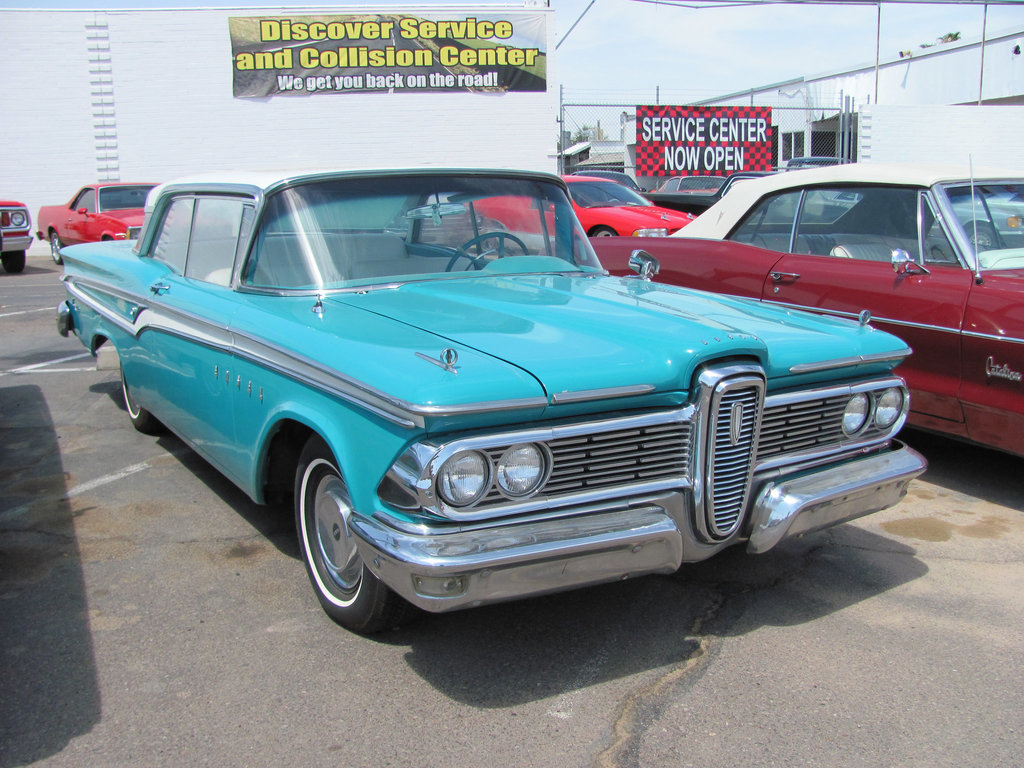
x=151 y=615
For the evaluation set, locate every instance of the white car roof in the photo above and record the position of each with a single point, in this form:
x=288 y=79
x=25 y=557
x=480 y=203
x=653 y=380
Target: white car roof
x=717 y=220
x=265 y=179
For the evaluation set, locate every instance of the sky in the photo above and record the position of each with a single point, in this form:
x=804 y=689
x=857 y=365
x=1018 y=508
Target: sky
x=634 y=51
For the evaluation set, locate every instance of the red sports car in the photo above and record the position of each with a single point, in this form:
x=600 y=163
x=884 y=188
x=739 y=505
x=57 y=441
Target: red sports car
x=96 y=212
x=606 y=208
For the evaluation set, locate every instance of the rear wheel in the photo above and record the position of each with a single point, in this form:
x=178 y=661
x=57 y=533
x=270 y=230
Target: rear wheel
x=347 y=590
x=13 y=261
x=142 y=420
x=55 y=246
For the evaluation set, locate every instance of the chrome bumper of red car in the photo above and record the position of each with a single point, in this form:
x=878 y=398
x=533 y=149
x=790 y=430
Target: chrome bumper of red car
x=439 y=570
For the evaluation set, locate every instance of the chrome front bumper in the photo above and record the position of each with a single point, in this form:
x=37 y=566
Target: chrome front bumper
x=20 y=242
x=442 y=571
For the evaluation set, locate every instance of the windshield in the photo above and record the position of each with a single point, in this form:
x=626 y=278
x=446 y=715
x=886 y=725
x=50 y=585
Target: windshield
x=122 y=198
x=992 y=218
x=604 y=194
x=350 y=232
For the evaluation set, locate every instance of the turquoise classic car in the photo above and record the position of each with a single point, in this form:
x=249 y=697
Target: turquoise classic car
x=460 y=404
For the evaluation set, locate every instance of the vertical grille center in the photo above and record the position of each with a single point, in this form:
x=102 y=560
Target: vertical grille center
x=733 y=426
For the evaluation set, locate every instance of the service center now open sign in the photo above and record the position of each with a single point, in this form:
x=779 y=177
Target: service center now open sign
x=702 y=141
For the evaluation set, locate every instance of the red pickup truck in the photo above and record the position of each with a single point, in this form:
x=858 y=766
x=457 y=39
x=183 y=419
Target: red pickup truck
x=96 y=212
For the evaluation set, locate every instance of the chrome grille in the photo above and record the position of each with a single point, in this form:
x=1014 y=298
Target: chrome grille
x=733 y=427
x=612 y=459
x=791 y=428
x=794 y=427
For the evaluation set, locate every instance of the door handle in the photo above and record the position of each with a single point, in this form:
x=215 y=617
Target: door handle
x=779 y=277
x=159 y=288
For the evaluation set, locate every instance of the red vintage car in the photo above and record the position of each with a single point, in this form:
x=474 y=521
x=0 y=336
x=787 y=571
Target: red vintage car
x=15 y=235
x=936 y=256
x=606 y=208
x=96 y=212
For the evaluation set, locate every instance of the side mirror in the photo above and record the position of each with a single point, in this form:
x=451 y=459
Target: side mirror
x=644 y=264
x=83 y=210
x=904 y=264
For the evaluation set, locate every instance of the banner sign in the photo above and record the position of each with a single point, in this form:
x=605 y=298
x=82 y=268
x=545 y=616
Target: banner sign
x=702 y=141
x=390 y=53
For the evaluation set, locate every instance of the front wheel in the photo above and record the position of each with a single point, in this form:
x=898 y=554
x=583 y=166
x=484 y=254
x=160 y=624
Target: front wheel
x=347 y=590
x=55 y=246
x=13 y=261
x=602 y=232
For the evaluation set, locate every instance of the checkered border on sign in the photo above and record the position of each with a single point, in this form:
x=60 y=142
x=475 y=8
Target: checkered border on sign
x=757 y=156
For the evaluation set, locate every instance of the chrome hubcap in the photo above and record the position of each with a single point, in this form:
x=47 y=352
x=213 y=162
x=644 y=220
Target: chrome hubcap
x=331 y=513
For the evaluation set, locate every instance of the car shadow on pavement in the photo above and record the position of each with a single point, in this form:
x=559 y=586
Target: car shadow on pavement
x=50 y=692
x=970 y=469
x=515 y=653
x=273 y=522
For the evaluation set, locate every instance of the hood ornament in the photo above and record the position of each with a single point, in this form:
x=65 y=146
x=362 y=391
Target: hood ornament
x=447 y=359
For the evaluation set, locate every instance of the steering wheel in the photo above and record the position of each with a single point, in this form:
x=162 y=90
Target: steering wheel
x=478 y=262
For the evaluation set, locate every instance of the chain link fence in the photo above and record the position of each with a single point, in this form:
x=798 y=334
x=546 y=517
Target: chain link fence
x=602 y=136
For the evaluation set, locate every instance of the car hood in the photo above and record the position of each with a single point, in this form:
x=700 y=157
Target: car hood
x=576 y=334
x=132 y=217
x=655 y=215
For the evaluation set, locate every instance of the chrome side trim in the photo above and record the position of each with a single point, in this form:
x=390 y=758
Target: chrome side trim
x=800 y=395
x=993 y=337
x=281 y=360
x=844 y=362
x=854 y=316
x=600 y=394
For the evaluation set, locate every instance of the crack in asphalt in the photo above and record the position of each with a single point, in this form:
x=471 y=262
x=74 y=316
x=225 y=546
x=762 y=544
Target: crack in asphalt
x=646 y=704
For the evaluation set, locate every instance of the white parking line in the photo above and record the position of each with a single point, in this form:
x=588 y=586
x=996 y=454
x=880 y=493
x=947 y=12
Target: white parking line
x=47 y=364
x=26 y=312
x=106 y=479
x=81 y=488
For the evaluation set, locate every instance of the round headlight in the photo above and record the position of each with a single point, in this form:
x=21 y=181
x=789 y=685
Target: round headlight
x=17 y=219
x=464 y=478
x=520 y=469
x=888 y=408
x=856 y=414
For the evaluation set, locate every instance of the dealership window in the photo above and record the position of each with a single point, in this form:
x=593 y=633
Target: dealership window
x=792 y=145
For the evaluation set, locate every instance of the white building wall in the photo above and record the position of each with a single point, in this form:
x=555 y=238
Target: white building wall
x=986 y=136
x=146 y=95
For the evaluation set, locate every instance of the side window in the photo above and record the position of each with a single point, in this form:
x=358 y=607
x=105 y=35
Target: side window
x=87 y=200
x=770 y=224
x=211 y=250
x=172 y=242
x=865 y=223
x=937 y=247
